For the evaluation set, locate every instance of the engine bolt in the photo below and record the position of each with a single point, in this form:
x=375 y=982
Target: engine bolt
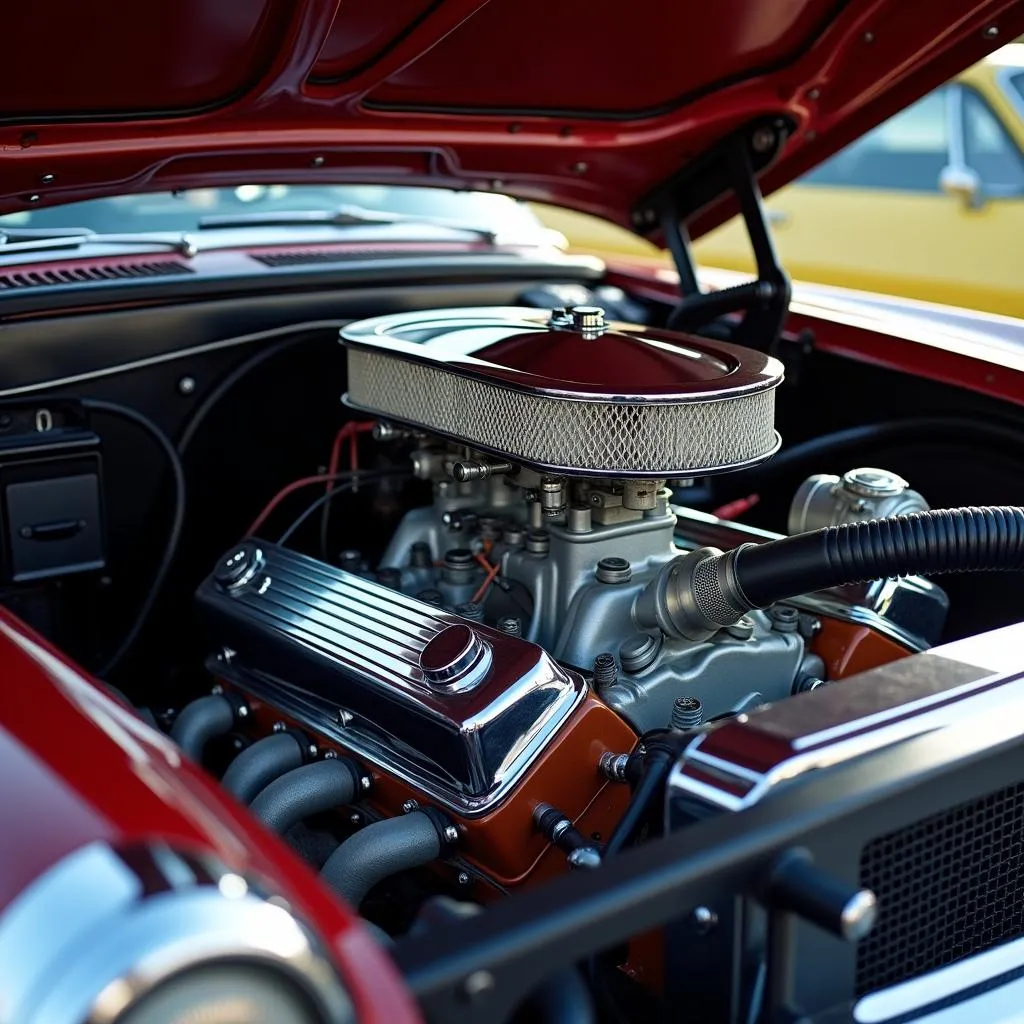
x=613 y=570
x=409 y=806
x=511 y=625
x=514 y=535
x=606 y=671
x=464 y=878
x=613 y=766
x=704 y=920
x=330 y=755
x=451 y=834
x=579 y=519
x=420 y=556
x=313 y=750
x=639 y=651
x=687 y=713
x=242 y=711
x=784 y=618
x=350 y=560
x=355 y=818
x=470 y=610
x=810 y=627
x=279 y=727
x=365 y=783
x=538 y=542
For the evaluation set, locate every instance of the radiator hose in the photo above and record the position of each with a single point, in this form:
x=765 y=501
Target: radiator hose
x=381 y=850
x=698 y=593
x=305 y=791
x=258 y=765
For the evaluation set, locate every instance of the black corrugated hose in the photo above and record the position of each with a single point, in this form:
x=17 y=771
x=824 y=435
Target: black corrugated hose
x=926 y=543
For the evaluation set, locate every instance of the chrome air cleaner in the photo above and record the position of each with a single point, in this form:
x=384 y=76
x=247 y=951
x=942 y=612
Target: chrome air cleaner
x=567 y=391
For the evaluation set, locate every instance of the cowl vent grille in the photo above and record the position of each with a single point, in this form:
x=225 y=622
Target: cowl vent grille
x=52 y=276
x=306 y=257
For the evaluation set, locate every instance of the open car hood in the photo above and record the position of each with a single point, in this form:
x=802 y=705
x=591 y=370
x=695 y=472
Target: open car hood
x=593 y=104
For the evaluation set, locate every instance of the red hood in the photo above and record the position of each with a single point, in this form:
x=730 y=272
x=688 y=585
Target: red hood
x=590 y=104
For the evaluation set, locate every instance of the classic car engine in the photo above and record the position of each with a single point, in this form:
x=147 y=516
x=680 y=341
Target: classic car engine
x=476 y=698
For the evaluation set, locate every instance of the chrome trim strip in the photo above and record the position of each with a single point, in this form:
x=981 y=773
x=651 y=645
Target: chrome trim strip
x=167 y=357
x=944 y=984
x=886 y=734
x=121 y=936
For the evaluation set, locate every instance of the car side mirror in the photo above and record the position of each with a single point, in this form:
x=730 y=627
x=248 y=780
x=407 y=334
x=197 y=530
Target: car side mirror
x=962 y=183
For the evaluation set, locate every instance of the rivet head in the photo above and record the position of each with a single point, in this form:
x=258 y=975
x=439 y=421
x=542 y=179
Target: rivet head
x=991 y=32
x=869 y=37
x=580 y=167
x=48 y=179
x=187 y=385
x=318 y=161
x=34 y=198
x=478 y=984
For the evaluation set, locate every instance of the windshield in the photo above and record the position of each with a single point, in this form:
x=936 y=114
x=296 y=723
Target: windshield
x=182 y=211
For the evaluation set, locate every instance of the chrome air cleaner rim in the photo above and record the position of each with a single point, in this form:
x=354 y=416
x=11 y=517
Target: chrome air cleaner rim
x=622 y=402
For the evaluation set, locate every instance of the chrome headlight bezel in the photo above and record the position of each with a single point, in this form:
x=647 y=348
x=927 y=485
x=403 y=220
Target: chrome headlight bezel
x=101 y=930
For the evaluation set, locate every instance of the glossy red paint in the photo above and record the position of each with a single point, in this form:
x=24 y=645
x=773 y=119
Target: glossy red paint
x=896 y=342
x=79 y=767
x=591 y=106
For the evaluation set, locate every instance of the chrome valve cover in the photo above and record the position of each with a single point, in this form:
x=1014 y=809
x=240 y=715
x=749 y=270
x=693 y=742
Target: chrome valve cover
x=456 y=708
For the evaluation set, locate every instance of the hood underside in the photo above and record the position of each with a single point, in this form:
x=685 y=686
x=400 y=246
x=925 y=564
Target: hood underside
x=588 y=103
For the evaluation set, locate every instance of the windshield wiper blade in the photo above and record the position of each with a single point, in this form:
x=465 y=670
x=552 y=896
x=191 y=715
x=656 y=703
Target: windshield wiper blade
x=341 y=217
x=13 y=240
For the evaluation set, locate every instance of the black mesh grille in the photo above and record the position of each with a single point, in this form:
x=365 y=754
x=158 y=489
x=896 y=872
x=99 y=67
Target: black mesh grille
x=91 y=272
x=947 y=886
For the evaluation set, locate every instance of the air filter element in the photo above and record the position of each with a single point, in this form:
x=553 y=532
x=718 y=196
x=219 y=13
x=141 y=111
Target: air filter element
x=567 y=392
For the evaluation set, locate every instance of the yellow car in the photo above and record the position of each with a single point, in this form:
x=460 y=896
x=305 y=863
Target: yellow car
x=929 y=205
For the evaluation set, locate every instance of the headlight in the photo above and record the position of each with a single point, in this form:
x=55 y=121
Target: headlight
x=155 y=937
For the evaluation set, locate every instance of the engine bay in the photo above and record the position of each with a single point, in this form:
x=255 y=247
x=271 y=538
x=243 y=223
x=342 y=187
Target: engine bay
x=480 y=702
x=529 y=614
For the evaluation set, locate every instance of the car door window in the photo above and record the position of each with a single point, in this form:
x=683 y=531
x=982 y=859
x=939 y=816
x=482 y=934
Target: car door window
x=989 y=149
x=905 y=153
